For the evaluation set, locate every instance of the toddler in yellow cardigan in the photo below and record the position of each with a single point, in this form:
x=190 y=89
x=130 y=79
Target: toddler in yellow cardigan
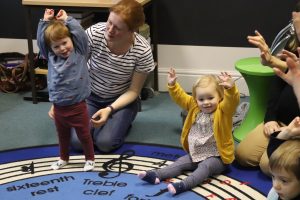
x=206 y=135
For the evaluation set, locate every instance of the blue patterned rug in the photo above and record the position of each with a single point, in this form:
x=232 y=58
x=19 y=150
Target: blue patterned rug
x=25 y=174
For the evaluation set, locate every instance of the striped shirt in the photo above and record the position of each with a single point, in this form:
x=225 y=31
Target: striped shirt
x=111 y=74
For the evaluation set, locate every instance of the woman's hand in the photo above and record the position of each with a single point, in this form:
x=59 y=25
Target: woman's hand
x=100 y=117
x=265 y=54
x=284 y=55
x=226 y=80
x=292 y=131
x=292 y=77
x=271 y=127
x=51 y=112
x=48 y=14
x=172 y=77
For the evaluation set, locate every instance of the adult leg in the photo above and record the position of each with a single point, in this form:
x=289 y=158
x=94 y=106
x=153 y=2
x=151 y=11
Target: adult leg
x=112 y=134
x=250 y=150
x=264 y=164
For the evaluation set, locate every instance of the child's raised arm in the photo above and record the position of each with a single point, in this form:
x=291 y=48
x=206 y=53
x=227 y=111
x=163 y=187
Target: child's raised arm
x=48 y=14
x=172 y=77
x=62 y=15
x=226 y=80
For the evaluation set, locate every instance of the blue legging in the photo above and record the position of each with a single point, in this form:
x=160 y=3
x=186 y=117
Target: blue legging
x=200 y=171
x=112 y=134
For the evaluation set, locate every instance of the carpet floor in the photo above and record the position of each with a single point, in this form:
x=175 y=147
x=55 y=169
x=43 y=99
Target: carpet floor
x=25 y=174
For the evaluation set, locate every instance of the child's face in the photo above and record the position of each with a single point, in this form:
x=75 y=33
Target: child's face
x=62 y=47
x=285 y=184
x=207 y=98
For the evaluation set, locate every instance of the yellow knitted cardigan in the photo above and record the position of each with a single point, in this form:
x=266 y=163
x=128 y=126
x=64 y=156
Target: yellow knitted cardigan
x=222 y=126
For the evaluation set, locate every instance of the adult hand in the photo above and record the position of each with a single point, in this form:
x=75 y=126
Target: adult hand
x=100 y=117
x=292 y=131
x=172 y=77
x=51 y=112
x=48 y=14
x=226 y=80
x=271 y=127
x=284 y=55
x=292 y=77
x=259 y=41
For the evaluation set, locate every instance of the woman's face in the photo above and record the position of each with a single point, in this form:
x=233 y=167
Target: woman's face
x=116 y=29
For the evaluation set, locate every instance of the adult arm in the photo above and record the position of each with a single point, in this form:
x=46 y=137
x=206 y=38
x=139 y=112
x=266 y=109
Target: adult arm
x=101 y=116
x=292 y=131
x=266 y=57
x=270 y=120
x=292 y=77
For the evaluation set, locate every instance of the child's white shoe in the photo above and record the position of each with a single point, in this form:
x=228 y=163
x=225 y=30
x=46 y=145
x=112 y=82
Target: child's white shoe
x=89 y=165
x=59 y=164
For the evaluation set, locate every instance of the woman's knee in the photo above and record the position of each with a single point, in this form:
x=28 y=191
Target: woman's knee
x=264 y=164
x=242 y=155
x=251 y=148
x=107 y=145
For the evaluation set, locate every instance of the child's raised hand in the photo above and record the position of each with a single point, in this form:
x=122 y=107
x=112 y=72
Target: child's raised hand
x=172 y=77
x=226 y=80
x=48 y=14
x=62 y=15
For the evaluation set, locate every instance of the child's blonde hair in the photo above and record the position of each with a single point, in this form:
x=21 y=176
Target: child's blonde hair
x=56 y=30
x=206 y=80
x=287 y=157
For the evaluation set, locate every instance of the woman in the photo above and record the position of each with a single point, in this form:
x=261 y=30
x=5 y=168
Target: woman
x=119 y=63
x=282 y=107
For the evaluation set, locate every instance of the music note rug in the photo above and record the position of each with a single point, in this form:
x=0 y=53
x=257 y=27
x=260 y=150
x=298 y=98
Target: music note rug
x=25 y=174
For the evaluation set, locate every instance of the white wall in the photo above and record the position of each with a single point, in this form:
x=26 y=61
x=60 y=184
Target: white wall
x=190 y=62
x=16 y=45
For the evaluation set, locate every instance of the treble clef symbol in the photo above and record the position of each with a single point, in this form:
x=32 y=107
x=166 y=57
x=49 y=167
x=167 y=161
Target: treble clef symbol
x=109 y=165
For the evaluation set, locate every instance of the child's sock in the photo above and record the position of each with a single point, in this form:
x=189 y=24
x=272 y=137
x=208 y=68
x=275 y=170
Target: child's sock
x=149 y=176
x=176 y=188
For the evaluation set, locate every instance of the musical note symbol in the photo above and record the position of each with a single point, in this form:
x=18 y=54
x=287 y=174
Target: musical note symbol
x=24 y=168
x=159 y=193
x=119 y=162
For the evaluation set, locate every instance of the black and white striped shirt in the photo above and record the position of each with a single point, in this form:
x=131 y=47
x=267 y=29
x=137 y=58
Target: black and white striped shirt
x=111 y=74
